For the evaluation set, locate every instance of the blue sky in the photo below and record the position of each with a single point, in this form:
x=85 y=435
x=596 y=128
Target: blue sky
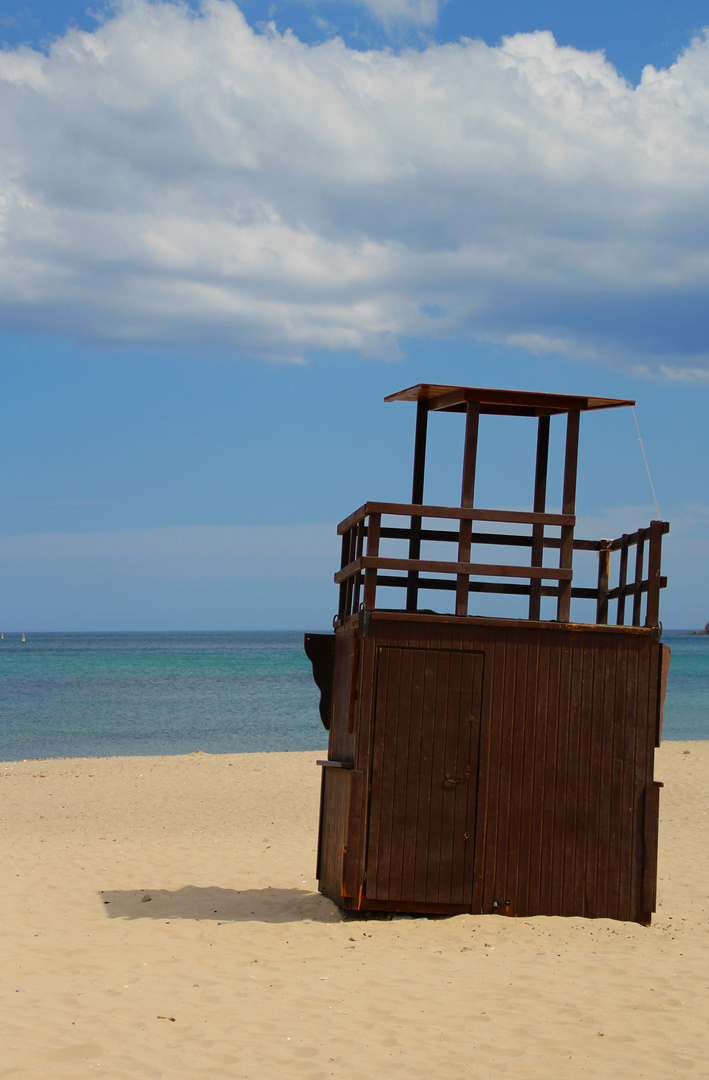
x=227 y=232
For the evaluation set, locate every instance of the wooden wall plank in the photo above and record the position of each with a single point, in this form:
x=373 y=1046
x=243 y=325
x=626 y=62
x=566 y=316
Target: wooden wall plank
x=353 y=861
x=570 y=788
x=366 y=689
x=649 y=873
x=562 y=768
x=449 y=782
x=613 y=902
x=644 y=752
x=665 y=653
x=463 y=891
x=335 y=806
x=626 y=807
x=486 y=813
x=387 y=674
x=527 y=892
x=428 y=735
x=438 y=750
x=517 y=721
x=605 y=767
x=585 y=658
x=593 y=851
x=412 y=801
x=402 y=717
x=550 y=771
x=503 y=780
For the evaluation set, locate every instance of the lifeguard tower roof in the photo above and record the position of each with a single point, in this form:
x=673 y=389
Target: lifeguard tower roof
x=502 y=402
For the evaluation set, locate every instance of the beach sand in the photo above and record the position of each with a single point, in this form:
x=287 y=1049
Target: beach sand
x=237 y=967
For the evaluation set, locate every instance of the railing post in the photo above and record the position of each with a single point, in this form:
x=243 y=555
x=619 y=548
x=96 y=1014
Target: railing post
x=652 y=613
x=359 y=549
x=638 y=590
x=344 y=590
x=470 y=451
x=412 y=587
x=370 y=574
x=604 y=558
x=622 y=579
x=566 y=551
x=540 y=494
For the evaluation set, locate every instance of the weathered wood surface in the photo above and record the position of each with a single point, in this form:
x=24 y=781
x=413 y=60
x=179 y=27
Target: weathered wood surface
x=538 y=741
x=359 y=567
x=424 y=776
x=488 y=764
x=431 y=566
x=502 y=402
x=334 y=817
x=513 y=517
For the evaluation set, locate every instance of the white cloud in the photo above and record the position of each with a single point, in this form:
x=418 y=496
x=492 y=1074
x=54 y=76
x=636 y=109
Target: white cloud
x=187 y=181
x=684 y=374
x=419 y=12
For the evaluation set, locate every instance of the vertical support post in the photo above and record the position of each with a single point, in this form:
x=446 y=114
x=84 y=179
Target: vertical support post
x=638 y=586
x=359 y=549
x=568 y=506
x=604 y=559
x=351 y=535
x=622 y=579
x=652 y=613
x=540 y=496
x=370 y=574
x=342 y=605
x=470 y=452
x=412 y=586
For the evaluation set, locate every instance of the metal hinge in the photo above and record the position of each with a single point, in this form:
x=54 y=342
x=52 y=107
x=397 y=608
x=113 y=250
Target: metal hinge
x=365 y=618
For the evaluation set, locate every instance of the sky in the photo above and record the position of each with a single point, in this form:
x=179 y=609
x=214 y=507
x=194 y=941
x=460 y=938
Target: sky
x=228 y=231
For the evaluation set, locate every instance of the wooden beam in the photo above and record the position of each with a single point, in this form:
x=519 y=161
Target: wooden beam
x=622 y=579
x=540 y=496
x=370 y=563
x=462 y=513
x=652 y=614
x=417 y=497
x=637 y=596
x=568 y=506
x=467 y=496
x=604 y=558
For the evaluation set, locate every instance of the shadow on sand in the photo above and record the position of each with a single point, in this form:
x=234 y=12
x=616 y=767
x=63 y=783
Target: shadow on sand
x=220 y=905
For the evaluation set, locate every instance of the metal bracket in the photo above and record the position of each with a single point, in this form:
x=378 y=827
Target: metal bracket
x=365 y=618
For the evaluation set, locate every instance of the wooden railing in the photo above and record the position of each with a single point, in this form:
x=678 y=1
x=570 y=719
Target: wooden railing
x=362 y=564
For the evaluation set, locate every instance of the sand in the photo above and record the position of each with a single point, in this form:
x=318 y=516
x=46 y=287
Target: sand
x=236 y=966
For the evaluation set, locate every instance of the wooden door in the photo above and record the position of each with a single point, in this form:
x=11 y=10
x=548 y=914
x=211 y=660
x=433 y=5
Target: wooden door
x=424 y=776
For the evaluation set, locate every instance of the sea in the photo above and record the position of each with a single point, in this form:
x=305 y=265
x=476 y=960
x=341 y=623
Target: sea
x=101 y=695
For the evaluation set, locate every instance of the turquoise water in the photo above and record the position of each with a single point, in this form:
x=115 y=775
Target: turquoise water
x=95 y=695
x=88 y=695
x=686 y=714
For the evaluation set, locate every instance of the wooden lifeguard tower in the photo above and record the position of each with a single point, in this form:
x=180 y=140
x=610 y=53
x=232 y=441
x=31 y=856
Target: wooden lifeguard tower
x=483 y=764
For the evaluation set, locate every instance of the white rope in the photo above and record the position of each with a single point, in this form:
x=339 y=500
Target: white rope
x=642 y=448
